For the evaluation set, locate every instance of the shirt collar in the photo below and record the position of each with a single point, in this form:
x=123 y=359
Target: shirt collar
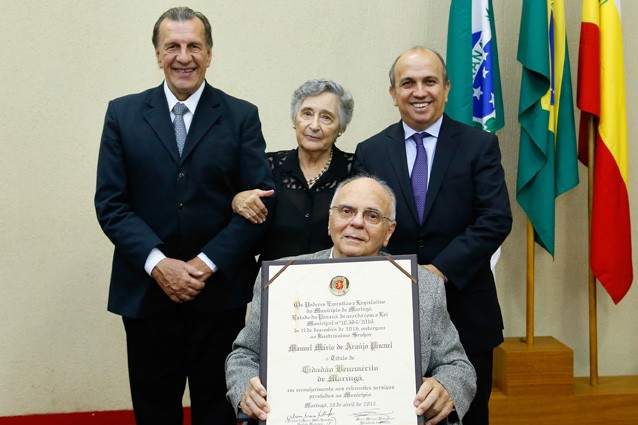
x=432 y=130
x=191 y=102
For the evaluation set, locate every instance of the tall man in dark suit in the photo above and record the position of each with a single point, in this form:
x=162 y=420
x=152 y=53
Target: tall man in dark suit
x=183 y=266
x=460 y=214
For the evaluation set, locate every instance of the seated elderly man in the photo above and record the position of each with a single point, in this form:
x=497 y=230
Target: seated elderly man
x=450 y=381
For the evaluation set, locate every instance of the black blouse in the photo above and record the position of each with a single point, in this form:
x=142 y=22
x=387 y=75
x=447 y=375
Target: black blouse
x=300 y=222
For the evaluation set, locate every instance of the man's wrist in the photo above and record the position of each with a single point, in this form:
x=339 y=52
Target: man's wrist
x=154 y=257
x=207 y=261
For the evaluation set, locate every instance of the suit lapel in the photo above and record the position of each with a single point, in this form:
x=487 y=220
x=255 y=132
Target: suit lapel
x=159 y=119
x=207 y=113
x=446 y=146
x=395 y=151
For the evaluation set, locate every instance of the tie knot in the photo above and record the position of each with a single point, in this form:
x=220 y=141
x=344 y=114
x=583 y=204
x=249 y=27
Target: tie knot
x=418 y=137
x=180 y=109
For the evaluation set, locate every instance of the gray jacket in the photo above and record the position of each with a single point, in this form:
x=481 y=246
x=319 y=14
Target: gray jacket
x=442 y=356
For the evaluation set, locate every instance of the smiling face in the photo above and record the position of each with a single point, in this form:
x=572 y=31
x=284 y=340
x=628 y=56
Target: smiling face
x=183 y=54
x=317 y=122
x=420 y=91
x=354 y=236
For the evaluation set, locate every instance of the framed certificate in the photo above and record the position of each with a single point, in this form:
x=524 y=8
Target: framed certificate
x=340 y=340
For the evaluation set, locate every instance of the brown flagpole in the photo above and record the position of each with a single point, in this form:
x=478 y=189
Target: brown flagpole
x=529 y=328
x=593 y=320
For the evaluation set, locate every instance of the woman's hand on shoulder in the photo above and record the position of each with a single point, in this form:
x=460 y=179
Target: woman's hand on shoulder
x=248 y=204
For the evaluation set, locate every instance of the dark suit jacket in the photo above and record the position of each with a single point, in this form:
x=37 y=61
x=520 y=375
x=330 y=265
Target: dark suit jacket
x=147 y=196
x=467 y=217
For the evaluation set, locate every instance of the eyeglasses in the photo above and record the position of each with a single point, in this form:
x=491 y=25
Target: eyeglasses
x=369 y=215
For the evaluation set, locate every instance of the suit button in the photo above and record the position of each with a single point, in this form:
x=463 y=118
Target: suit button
x=180 y=206
x=421 y=243
x=181 y=176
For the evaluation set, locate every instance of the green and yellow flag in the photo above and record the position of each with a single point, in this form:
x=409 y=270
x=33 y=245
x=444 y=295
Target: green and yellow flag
x=547 y=161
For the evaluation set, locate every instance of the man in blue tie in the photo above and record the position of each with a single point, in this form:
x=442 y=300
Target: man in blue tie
x=453 y=208
x=171 y=160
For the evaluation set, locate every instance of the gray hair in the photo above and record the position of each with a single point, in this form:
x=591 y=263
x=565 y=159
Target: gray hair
x=181 y=14
x=411 y=50
x=317 y=86
x=384 y=185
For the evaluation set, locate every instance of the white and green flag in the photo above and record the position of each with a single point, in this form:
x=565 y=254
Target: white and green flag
x=472 y=62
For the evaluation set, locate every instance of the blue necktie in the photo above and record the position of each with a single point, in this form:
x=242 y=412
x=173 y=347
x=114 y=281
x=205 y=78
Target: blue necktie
x=420 y=174
x=178 y=123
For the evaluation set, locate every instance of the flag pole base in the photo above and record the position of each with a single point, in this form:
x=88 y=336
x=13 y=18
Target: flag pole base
x=547 y=367
x=536 y=385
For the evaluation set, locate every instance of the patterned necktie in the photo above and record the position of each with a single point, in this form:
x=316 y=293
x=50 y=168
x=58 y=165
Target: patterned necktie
x=178 y=123
x=420 y=174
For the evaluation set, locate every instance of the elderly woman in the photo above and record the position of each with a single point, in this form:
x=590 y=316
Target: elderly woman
x=305 y=177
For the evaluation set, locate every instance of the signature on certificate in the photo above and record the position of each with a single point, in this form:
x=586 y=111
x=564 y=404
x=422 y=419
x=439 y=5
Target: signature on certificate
x=373 y=416
x=320 y=417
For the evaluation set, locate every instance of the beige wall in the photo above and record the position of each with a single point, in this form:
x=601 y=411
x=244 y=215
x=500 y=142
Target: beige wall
x=62 y=61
